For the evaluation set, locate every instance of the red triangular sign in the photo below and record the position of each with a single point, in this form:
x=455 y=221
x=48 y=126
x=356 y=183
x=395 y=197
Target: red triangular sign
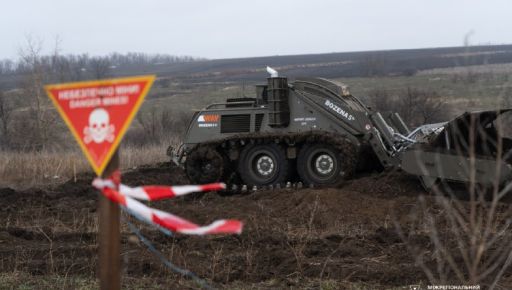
x=98 y=113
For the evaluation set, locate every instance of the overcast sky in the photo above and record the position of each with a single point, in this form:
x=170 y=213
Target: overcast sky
x=241 y=28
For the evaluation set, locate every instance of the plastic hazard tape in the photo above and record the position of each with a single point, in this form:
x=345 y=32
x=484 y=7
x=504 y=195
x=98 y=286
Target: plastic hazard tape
x=166 y=220
x=153 y=193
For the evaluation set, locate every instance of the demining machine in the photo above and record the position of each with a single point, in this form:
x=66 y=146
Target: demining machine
x=314 y=131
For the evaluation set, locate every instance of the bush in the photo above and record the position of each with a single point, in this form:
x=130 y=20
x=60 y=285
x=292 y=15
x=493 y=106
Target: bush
x=415 y=106
x=157 y=126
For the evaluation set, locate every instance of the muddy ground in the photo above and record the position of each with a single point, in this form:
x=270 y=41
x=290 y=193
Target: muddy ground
x=293 y=238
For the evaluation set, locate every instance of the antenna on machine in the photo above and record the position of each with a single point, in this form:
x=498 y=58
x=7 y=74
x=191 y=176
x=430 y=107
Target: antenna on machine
x=273 y=73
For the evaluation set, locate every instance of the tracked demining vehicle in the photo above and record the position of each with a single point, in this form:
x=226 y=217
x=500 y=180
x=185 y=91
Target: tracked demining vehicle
x=315 y=132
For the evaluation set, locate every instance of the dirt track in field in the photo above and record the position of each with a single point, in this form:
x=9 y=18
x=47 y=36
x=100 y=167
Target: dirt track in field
x=292 y=237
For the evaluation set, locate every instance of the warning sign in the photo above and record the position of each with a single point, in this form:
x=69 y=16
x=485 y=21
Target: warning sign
x=98 y=113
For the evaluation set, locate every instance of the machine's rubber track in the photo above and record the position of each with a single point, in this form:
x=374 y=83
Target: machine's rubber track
x=205 y=164
x=226 y=146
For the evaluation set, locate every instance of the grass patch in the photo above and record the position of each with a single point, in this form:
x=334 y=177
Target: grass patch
x=41 y=168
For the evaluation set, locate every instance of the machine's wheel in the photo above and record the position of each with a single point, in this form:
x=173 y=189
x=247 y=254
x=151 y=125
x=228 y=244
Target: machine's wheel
x=204 y=165
x=263 y=164
x=320 y=164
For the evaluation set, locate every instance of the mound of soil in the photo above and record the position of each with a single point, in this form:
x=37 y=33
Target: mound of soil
x=291 y=237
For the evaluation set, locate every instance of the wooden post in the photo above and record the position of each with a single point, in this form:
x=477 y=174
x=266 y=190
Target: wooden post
x=109 y=235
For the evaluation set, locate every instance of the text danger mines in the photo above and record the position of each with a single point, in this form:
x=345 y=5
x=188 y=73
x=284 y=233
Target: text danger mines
x=113 y=95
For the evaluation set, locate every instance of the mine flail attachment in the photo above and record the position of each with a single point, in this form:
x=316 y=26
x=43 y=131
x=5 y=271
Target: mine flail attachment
x=471 y=149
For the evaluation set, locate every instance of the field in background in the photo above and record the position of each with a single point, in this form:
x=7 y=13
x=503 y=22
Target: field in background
x=467 y=87
x=478 y=87
x=456 y=76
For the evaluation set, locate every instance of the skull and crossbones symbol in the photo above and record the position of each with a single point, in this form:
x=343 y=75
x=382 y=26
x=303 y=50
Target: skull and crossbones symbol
x=99 y=128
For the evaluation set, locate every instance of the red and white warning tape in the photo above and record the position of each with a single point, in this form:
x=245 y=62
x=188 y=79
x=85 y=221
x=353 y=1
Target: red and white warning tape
x=157 y=192
x=125 y=197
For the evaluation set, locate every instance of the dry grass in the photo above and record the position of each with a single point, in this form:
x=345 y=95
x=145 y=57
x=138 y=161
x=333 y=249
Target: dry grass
x=42 y=168
x=501 y=68
x=25 y=169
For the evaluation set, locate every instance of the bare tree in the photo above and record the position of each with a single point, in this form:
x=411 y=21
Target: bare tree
x=100 y=67
x=149 y=122
x=33 y=83
x=78 y=67
x=37 y=73
x=5 y=117
x=6 y=66
x=421 y=106
x=160 y=125
x=415 y=106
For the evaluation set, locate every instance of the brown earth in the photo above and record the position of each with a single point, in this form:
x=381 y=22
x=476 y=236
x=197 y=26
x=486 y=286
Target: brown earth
x=292 y=237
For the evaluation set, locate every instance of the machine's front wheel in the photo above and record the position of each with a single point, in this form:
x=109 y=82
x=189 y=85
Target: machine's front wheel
x=320 y=164
x=263 y=164
x=204 y=165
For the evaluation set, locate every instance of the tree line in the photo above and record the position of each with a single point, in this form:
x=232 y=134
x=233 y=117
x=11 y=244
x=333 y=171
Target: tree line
x=78 y=66
x=27 y=119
